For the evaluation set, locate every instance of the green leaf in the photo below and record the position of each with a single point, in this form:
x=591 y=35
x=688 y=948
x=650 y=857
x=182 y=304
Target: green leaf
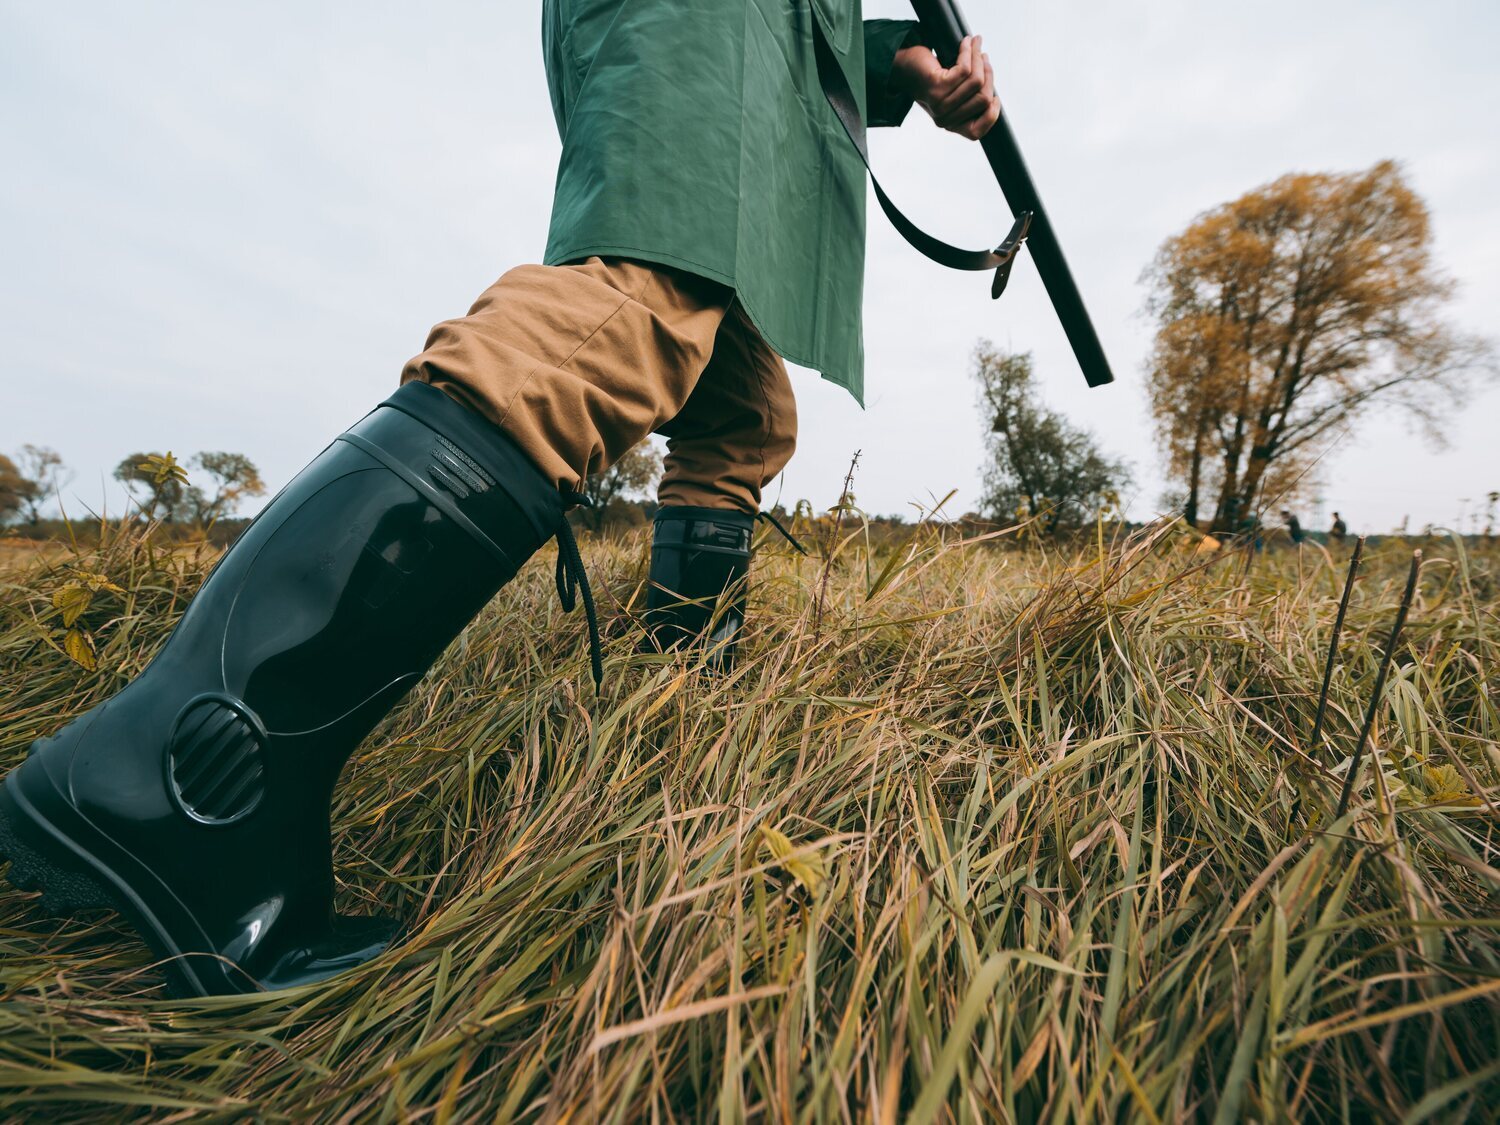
x=163 y=467
x=802 y=864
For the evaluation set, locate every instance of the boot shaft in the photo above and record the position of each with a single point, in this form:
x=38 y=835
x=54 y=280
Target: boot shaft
x=198 y=797
x=697 y=592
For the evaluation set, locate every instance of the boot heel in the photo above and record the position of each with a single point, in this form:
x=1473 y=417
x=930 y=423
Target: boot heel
x=66 y=885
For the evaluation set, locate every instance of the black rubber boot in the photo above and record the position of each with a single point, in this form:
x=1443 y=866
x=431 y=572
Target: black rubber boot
x=196 y=800
x=700 y=560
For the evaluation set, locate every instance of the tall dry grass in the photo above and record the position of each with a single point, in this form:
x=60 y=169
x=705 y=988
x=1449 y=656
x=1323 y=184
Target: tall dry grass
x=1017 y=835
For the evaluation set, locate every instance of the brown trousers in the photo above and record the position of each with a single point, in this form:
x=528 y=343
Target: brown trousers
x=578 y=363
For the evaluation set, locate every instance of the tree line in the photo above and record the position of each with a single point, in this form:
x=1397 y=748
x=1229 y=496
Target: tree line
x=1282 y=318
x=159 y=485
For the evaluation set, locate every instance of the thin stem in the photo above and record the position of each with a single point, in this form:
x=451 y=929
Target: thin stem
x=1333 y=644
x=1385 y=667
x=833 y=540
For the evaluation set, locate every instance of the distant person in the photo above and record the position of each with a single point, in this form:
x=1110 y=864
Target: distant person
x=1339 y=531
x=1293 y=526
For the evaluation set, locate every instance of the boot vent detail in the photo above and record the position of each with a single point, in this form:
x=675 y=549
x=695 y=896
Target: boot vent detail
x=457 y=472
x=216 y=762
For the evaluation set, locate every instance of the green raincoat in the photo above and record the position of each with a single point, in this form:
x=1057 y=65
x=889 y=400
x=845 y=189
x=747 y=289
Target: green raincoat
x=695 y=134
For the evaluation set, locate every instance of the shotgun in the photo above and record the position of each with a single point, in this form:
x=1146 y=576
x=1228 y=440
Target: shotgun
x=943 y=29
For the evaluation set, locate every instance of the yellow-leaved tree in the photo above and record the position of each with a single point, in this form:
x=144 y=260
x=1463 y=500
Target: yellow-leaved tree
x=1281 y=317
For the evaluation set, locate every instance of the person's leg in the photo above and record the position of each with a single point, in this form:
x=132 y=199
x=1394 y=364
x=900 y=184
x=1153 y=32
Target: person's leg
x=578 y=363
x=737 y=431
x=195 y=801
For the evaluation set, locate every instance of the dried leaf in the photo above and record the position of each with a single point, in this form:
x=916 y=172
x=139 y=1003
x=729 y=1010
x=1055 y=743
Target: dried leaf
x=96 y=581
x=1446 y=787
x=80 y=649
x=72 y=599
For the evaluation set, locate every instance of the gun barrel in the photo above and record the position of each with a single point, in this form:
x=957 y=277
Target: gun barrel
x=943 y=29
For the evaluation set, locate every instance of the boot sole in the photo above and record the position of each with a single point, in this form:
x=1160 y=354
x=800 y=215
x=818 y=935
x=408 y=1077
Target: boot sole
x=75 y=866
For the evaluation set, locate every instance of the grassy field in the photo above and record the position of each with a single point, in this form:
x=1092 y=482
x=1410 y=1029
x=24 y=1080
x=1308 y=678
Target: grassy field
x=19 y=555
x=977 y=832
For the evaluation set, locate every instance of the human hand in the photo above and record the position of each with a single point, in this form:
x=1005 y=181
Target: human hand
x=960 y=98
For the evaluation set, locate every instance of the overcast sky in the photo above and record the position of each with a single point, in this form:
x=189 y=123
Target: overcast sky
x=227 y=226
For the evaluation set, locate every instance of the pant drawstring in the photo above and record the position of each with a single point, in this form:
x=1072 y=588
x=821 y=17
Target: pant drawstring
x=572 y=580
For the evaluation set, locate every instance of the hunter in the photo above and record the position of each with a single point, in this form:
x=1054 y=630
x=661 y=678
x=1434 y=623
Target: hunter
x=708 y=222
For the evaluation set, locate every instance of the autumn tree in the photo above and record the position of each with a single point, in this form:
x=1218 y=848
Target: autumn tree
x=1281 y=317
x=43 y=475
x=234 y=477
x=1038 y=464
x=13 y=489
x=632 y=475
